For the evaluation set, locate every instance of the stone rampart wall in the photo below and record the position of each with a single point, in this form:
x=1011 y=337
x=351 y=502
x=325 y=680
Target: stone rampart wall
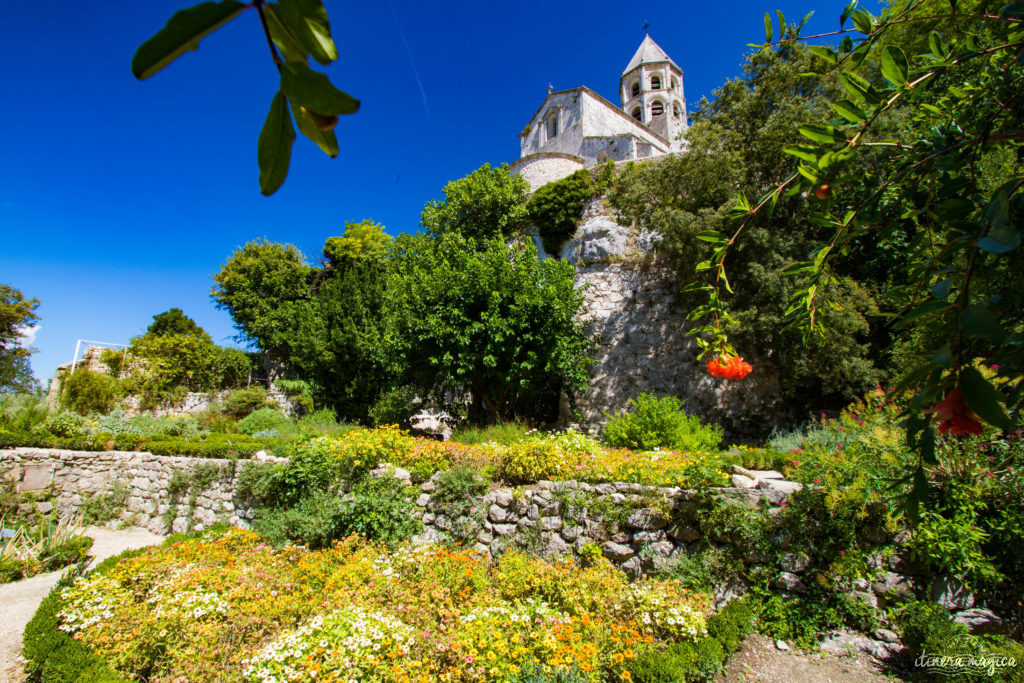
x=631 y=313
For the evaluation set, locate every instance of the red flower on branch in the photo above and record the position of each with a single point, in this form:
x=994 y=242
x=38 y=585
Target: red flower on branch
x=954 y=416
x=729 y=368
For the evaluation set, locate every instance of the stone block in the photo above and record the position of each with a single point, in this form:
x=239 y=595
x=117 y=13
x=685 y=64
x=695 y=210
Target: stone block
x=983 y=622
x=551 y=523
x=950 y=593
x=617 y=552
x=36 y=477
x=647 y=519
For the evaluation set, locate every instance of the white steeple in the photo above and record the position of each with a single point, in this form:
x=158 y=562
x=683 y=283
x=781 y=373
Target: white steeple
x=651 y=90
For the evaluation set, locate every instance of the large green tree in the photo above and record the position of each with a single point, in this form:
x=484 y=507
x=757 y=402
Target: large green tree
x=486 y=317
x=16 y=314
x=487 y=202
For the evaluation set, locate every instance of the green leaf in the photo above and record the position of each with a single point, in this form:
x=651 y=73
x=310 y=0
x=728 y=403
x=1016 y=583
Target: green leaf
x=274 y=149
x=943 y=356
x=895 y=67
x=983 y=398
x=858 y=87
x=819 y=133
x=924 y=309
x=313 y=90
x=767 y=28
x=846 y=44
x=324 y=139
x=863 y=21
x=182 y=33
x=997 y=214
x=976 y=321
x=850 y=6
x=1000 y=241
x=307 y=21
x=291 y=48
x=940 y=290
x=702 y=266
x=712 y=236
x=850 y=111
x=928 y=446
x=782 y=23
x=935 y=45
x=696 y=287
x=805 y=152
x=798 y=267
x=824 y=53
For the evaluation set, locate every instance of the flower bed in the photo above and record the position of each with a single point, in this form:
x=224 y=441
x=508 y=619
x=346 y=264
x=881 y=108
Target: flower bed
x=556 y=457
x=230 y=607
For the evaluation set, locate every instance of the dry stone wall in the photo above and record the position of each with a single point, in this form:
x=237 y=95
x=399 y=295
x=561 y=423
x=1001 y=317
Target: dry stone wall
x=159 y=492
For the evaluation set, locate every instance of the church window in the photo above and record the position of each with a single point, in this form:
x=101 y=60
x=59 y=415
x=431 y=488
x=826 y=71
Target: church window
x=635 y=89
x=552 y=125
x=636 y=113
x=675 y=83
x=655 y=82
x=676 y=111
x=657 y=109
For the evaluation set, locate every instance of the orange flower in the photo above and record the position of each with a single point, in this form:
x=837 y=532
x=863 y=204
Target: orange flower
x=954 y=415
x=728 y=367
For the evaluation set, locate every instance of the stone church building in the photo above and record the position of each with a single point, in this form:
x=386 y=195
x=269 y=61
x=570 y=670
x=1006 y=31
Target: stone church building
x=578 y=128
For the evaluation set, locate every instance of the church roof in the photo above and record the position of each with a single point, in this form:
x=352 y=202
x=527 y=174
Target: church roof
x=649 y=51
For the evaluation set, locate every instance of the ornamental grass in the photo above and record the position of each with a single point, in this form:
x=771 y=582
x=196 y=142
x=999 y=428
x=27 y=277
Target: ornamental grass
x=230 y=607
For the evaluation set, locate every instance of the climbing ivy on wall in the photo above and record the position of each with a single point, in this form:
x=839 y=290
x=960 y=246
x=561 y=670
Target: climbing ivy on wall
x=556 y=208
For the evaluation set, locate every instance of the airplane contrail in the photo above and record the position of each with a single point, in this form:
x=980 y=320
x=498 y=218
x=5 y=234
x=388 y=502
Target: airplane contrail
x=412 y=61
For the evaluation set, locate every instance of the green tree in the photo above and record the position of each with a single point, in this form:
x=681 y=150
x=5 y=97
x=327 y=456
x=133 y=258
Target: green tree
x=174 y=321
x=295 y=30
x=487 y=317
x=265 y=287
x=945 y=186
x=487 y=202
x=16 y=314
x=362 y=240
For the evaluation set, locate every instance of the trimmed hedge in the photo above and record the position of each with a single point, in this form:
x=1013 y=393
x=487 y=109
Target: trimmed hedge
x=214 y=446
x=53 y=656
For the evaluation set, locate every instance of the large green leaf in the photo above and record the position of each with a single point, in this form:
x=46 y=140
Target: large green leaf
x=767 y=28
x=818 y=133
x=1001 y=240
x=849 y=111
x=182 y=33
x=863 y=21
x=895 y=66
x=307 y=21
x=983 y=398
x=291 y=49
x=274 y=149
x=313 y=90
x=976 y=321
x=324 y=139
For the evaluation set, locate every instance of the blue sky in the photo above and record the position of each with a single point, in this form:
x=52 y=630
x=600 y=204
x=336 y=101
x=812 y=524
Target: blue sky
x=120 y=199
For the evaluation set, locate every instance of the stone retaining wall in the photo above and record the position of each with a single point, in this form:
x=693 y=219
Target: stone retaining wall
x=144 y=480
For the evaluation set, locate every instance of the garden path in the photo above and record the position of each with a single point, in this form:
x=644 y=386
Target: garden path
x=759 y=660
x=20 y=599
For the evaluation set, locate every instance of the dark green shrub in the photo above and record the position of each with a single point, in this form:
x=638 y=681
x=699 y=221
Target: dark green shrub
x=556 y=208
x=801 y=621
x=241 y=402
x=103 y=507
x=320 y=420
x=87 y=392
x=460 y=484
x=262 y=420
x=375 y=508
x=703 y=660
x=64 y=424
x=72 y=552
x=652 y=422
x=394 y=407
x=928 y=627
x=259 y=483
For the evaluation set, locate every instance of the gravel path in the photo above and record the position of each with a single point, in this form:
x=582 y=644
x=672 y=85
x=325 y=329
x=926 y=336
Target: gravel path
x=759 y=660
x=21 y=598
